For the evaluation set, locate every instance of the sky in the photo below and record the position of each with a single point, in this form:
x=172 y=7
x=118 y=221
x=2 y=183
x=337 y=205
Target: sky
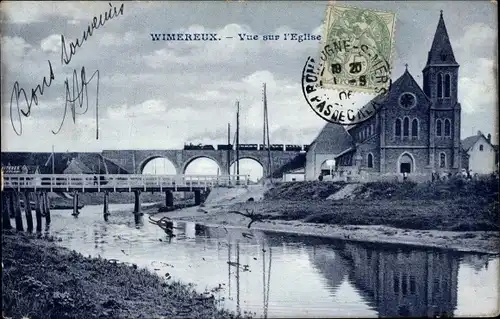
x=161 y=94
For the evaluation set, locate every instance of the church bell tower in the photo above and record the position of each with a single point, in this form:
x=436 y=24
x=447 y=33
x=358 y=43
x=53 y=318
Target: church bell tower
x=440 y=84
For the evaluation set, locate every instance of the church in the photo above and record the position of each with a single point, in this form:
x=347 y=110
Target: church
x=416 y=131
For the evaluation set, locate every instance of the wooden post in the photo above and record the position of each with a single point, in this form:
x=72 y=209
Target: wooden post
x=75 y=204
x=5 y=211
x=10 y=201
x=46 y=208
x=17 y=211
x=27 y=211
x=137 y=208
x=38 y=212
x=106 y=206
x=137 y=202
x=197 y=197
x=169 y=198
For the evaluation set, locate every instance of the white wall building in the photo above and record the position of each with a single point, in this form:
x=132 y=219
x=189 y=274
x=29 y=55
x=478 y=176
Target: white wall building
x=481 y=153
x=332 y=141
x=296 y=175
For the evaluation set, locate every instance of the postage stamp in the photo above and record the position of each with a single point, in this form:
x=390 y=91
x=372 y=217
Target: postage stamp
x=357 y=50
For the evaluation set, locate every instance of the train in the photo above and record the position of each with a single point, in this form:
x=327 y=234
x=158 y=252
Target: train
x=291 y=147
x=198 y=147
x=250 y=147
x=224 y=147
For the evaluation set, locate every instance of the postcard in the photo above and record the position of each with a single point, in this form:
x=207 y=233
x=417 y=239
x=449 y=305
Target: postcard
x=249 y=159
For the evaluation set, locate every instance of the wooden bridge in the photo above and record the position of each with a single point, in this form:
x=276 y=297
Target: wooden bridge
x=119 y=183
x=37 y=186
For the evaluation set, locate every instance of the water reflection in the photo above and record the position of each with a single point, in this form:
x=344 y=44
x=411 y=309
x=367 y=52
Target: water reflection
x=311 y=277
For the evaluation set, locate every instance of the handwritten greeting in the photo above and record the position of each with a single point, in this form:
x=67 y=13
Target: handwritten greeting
x=76 y=91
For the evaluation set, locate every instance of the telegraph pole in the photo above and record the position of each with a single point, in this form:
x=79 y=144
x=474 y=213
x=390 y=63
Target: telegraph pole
x=228 y=148
x=237 y=140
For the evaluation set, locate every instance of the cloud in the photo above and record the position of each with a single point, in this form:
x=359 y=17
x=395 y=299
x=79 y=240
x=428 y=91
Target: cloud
x=15 y=48
x=25 y=12
x=476 y=37
x=108 y=39
x=52 y=43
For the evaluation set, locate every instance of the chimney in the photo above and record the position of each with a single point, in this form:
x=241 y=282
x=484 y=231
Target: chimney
x=489 y=138
x=479 y=133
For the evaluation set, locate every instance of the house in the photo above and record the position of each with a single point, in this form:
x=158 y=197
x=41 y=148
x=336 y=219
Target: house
x=295 y=175
x=416 y=131
x=482 y=157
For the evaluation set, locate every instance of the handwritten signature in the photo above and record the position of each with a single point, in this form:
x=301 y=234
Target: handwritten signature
x=78 y=94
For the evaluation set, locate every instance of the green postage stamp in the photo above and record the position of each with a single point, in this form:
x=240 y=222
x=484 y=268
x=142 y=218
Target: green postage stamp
x=357 y=49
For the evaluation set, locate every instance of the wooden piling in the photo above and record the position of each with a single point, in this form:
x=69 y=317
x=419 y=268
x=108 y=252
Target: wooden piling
x=27 y=211
x=6 y=211
x=137 y=202
x=169 y=198
x=106 y=206
x=10 y=201
x=75 y=204
x=38 y=211
x=17 y=211
x=46 y=208
x=197 y=197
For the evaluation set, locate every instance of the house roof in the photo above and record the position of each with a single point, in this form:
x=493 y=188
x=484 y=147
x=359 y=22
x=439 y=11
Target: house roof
x=77 y=167
x=93 y=161
x=333 y=139
x=441 y=51
x=468 y=142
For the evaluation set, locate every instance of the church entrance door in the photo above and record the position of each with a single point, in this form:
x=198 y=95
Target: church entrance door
x=405 y=168
x=405 y=164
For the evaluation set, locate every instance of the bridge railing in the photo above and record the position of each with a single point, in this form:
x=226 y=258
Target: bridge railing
x=81 y=182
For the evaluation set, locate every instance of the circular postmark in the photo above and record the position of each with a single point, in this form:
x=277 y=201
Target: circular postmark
x=344 y=99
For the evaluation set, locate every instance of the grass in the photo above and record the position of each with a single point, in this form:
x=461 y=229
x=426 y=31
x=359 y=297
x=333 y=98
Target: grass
x=454 y=205
x=42 y=280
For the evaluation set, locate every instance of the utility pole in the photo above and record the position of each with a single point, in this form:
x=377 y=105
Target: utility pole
x=228 y=148
x=237 y=140
x=53 y=166
x=266 y=134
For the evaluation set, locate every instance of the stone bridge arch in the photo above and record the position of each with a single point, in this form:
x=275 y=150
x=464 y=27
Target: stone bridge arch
x=146 y=161
x=261 y=160
x=192 y=158
x=142 y=158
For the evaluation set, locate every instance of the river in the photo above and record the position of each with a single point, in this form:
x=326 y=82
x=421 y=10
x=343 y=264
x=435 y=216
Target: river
x=283 y=275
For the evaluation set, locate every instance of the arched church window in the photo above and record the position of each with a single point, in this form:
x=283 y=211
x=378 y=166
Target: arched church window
x=447 y=127
x=442 y=160
x=406 y=126
x=370 y=160
x=398 y=127
x=447 y=85
x=414 y=128
x=438 y=128
x=481 y=147
x=440 y=85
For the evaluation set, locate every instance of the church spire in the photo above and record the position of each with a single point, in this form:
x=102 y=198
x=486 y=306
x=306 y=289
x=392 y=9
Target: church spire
x=441 y=51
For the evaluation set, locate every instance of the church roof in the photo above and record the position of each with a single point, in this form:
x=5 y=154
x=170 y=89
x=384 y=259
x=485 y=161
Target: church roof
x=404 y=81
x=333 y=139
x=441 y=51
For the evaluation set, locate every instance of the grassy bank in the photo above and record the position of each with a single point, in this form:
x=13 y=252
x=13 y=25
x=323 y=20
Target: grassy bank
x=42 y=280
x=454 y=205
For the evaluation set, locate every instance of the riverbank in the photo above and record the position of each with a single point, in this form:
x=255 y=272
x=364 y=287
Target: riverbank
x=43 y=280
x=454 y=214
